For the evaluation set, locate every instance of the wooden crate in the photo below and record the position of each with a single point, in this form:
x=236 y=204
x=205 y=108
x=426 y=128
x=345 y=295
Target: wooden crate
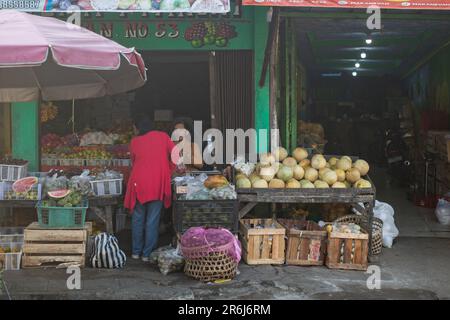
x=347 y=251
x=306 y=242
x=262 y=245
x=54 y=247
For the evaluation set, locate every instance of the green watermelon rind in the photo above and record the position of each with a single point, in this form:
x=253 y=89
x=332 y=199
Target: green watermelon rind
x=59 y=194
x=21 y=185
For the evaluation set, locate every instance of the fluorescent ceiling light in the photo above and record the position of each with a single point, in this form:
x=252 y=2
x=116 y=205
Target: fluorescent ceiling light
x=363 y=55
x=357 y=65
x=369 y=41
x=331 y=74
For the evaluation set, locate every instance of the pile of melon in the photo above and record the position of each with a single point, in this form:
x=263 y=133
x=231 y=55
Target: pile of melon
x=279 y=170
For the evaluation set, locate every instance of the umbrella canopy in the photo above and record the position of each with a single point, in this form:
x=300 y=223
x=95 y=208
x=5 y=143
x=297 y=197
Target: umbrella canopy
x=43 y=57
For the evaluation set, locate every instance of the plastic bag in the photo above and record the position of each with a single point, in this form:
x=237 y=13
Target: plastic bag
x=385 y=212
x=196 y=189
x=246 y=168
x=443 y=211
x=154 y=256
x=224 y=193
x=81 y=183
x=168 y=259
x=53 y=183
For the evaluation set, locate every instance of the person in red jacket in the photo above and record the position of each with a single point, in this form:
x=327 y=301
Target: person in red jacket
x=149 y=185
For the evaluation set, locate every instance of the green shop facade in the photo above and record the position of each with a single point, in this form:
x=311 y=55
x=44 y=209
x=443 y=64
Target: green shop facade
x=238 y=98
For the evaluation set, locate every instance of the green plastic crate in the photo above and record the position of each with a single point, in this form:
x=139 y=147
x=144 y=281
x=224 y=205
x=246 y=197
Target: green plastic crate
x=62 y=217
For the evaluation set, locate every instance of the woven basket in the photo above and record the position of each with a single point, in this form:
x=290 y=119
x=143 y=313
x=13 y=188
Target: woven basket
x=212 y=267
x=377 y=229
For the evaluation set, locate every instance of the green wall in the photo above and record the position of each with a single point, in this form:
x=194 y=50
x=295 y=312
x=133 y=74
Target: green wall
x=25 y=133
x=262 y=94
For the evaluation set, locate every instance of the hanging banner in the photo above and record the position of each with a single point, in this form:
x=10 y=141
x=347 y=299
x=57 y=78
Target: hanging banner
x=184 y=6
x=384 y=4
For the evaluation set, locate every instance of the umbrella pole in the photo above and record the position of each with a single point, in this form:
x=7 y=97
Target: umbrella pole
x=72 y=118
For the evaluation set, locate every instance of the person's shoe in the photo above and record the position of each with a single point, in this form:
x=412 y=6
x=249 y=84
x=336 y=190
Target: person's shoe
x=135 y=256
x=145 y=259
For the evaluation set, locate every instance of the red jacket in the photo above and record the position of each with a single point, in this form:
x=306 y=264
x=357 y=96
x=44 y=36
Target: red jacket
x=151 y=171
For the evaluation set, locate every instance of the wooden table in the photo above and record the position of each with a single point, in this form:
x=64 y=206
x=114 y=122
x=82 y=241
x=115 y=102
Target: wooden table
x=108 y=203
x=362 y=199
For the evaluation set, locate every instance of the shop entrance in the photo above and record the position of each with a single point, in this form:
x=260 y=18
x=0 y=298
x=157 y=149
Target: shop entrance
x=212 y=87
x=344 y=88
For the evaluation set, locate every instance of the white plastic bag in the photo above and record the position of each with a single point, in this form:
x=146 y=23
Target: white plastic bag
x=443 y=212
x=168 y=259
x=385 y=212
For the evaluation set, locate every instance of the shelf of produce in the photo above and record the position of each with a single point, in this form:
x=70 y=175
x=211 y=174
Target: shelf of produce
x=125 y=171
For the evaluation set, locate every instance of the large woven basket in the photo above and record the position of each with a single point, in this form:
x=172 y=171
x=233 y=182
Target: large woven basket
x=377 y=229
x=211 y=267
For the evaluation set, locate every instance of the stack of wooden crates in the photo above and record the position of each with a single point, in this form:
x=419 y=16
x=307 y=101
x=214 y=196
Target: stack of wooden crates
x=438 y=143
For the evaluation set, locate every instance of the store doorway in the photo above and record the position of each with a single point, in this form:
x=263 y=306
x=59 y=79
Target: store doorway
x=213 y=87
x=379 y=95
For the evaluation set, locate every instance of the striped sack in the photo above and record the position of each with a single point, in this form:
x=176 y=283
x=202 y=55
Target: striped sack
x=106 y=252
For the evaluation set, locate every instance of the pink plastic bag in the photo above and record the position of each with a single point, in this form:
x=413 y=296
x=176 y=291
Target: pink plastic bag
x=198 y=242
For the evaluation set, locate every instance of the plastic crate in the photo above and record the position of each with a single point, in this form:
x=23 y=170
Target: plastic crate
x=121 y=162
x=112 y=187
x=98 y=162
x=206 y=213
x=72 y=162
x=62 y=217
x=10 y=260
x=6 y=192
x=12 y=173
x=49 y=162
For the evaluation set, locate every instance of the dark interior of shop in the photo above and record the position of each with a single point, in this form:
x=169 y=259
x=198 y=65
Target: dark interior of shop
x=178 y=81
x=358 y=81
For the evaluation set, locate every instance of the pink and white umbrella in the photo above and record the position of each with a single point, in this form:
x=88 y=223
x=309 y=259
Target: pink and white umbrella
x=46 y=58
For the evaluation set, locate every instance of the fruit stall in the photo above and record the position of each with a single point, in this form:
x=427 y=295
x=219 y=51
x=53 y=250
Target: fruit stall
x=63 y=188
x=305 y=178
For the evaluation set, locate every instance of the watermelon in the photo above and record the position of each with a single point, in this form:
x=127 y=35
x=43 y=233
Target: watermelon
x=58 y=194
x=24 y=184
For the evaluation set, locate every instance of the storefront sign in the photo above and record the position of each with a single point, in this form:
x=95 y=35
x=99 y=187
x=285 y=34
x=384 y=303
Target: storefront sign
x=385 y=4
x=188 y=6
x=198 y=34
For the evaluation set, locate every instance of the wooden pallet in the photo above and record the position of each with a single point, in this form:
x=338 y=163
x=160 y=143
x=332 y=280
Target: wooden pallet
x=306 y=243
x=54 y=247
x=265 y=245
x=354 y=254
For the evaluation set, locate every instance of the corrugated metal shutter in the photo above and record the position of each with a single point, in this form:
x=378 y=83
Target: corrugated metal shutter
x=232 y=89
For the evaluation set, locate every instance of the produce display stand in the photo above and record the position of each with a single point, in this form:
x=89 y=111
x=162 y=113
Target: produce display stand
x=108 y=203
x=249 y=198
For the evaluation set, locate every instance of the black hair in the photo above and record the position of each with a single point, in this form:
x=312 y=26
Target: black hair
x=186 y=122
x=143 y=124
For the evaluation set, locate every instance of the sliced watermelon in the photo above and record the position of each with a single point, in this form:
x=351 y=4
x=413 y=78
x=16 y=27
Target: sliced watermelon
x=24 y=184
x=58 y=194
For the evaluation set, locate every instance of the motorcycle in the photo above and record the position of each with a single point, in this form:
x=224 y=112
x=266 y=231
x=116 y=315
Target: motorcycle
x=397 y=157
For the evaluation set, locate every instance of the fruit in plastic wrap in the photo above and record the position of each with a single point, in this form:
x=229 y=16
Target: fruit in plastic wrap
x=215 y=181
